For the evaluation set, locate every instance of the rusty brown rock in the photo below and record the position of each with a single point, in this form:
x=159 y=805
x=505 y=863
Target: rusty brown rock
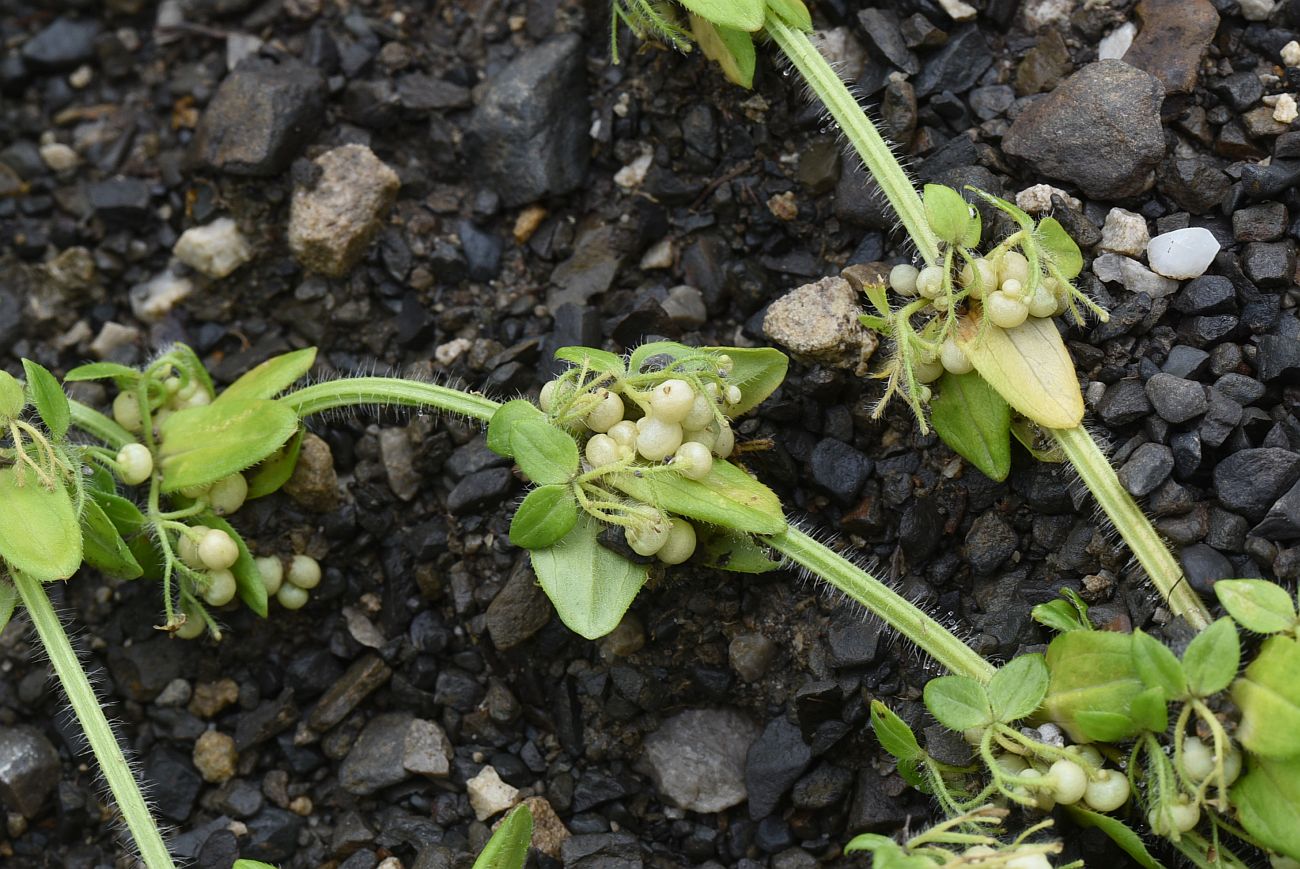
x=1173 y=40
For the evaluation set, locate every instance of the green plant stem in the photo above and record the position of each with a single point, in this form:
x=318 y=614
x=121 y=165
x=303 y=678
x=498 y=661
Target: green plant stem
x=1097 y=474
x=864 y=136
x=354 y=391
x=897 y=611
x=98 y=426
x=108 y=753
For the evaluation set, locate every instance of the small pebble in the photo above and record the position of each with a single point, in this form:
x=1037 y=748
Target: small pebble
x=1284 y=110
x=1116 y=43
x=59 y=156
x=489 y=795
x=215 y=756
x=1183 y=253
x=216 y=249
x=1125 y=232
x=1291 y=53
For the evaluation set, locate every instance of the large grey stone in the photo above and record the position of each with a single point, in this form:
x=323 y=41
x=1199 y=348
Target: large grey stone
x=697 y=758
x=29 y=769
x=260 y=118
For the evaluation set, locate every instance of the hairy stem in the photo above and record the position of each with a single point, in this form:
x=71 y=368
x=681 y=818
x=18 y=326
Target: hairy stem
x=354 y=391
x=1097 y=474
x=897 y=611
x=864 y=136
x=98 y=733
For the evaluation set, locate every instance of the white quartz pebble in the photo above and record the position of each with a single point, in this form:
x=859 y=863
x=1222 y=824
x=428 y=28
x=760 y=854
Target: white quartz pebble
x=1183 y=253
x=1116 y=43
x=216 y=249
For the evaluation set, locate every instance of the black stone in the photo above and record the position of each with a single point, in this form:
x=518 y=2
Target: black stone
x=1147 y=468
x=989 y=542
x=958 y=65
x=260 y=118
x=482 y=251
x=272 y=835
x=173 y=783
x=839 y=469
x=1278 y=355
x=1208 y=294
x=1270 y=264
x=1283 y=519
x=1250 y=480
x=1264 y=222
x=1204 y=566
x=120 y=200
x=775 y=762
x=479 y=490
x=1184 y=361
x=1175 y=399
x=65 y=43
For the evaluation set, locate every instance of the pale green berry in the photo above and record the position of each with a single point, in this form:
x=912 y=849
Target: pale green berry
x=1107 y=792
x=695 y=460
x=624 y=433
x=701 y=414
x=985 y=272
x=228 y=494
x=187 y=390
x=187 y=546
x=291 y=597
x=649 y=535
x=602 y=450
x=200 y=398
x=304 y=572
x=680 y=544
x=1005 y=311
x=923 y=394
x=1012 y=764
x=1088 y=755
x=1013 y=289
x=134 y=464
x=1040 y=789
x=927 y=371
x=607 y=413
x=193 y=627
x=725 y=442
x=1013 y=266
x=271 y=570
x=1198 y=760
x=1281 y=861
x=1029 y=861
x=929 y=283
x=546 y=400
x=725 y=364
x=657 y=439
x=734 y=395
x=707 y=436
x=126 y=411
x=672 y=400
x=172 y=385
x=902 y=279
x=1177 y=817
x=1069 y=781
x=979 y=851
x=218 y=550
x=1043 y=303
x=1231 y=765
x=221 y=588
x=953 y=358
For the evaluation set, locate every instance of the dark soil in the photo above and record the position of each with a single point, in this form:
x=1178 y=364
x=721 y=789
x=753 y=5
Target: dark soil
x=750 y=194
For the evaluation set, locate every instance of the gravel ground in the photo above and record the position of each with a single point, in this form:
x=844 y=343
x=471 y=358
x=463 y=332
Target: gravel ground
x=454 y=190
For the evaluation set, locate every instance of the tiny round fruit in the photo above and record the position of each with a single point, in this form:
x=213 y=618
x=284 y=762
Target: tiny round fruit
x=979 y=851
x=1029 y=861
x=725 y=441
x=304 y=572
x=927 y=372
x=1040 y=789
x=218 y=550
x=200 y=398
x=694 y=459
x=602 y=450
x=707 y=436
x=607 y=413
x=221 y=588
x=923 y=394
x=193 y=627
x=929 y=283
x=902 y=279
x=623 y=433
x=672 y=400
x=546 y=399
x=1107 y=792
x=1088 y=755
x=126 y=410
x=1198 y=760
x=291 y=597
x=1013 y=266
x=187 y=546
x=1012 y=764
x=1281 y=861
x=1043 y=303
x=172 y=385
x=1231 y=765
x=701 y=414
x=228 y=494
x=953 y=358
x=1179 y=816
x=1013 y=288
x=134 y=464
x=271 y=570
x=680 y=544
x=1069 y=781
x=1005 y=311
x=982 y=270
x=649 y=536
x=658 y=439
x=734 y=395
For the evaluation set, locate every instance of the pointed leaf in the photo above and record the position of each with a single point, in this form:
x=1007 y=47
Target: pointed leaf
x=972 y=419
x=1118 y=832
x=590 y=586
x=276 y=469
x=8 y=602
x=124 y=514
x=1029 y=367
x=1059 y=247
x=502 y=425
x=104 y=548
x=1257 y=604
x=12 y=397
x=544 y=453
x=1268 y=695
x=898 y=739
x=728 y=497
x=508 y=847
x=1017 y=689
x=200 y=445
x=792 y=12
x=122 y=374
x=248 y=577
x=1265 y=799
x=757 y=371
x=958 y=702
x=596 y=360
x=947 y=213
x=637 y=361
x=1093 y=683
x=731 y=49
x=48 y=398
x=1157 y=666
x=271 y=377
x=1149 y=711
x=39 y=531
x=1212 y=658
x=740 y=14
x=545 y=516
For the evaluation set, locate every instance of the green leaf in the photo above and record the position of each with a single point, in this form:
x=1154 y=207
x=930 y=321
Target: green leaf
x=758 y=371
x=125 y=516
x=12 y=398
x=546 y=515
x=104 y=548
x=731 y=49
x=544 y=453
x=1058 y=247
x=888 y=854
x=1149 y=711
x=39 y=531
x=276 y=469
x=597 y=360
x=973 y=230
x=1212 y=658
x=1028 y=366
x=1266 y=798
x=8 y=602
x=251 y=864
x=1268 y=695
x=200 y=445
x=1070 y=614
x=792 y=12
x=1118 y=832
x=1097 y=725
x=724 y=549
x=48 y=398
x=1017 y=689
x=508 y=847
x=728 y=497
x=947 y=213
x=1257 y=604
x=147 y=556
x=1158 y=667
x=1092 y=686
x=504 y=420
x=122 y=374
x=958 y=702
x=590 y=586
x=739 y=14
x=898 y=739
x=248 y=578
x=972 y=419
x=641 y=355
x=271 y=377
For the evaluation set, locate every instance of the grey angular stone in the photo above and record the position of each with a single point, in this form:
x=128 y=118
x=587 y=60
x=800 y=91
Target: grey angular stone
x=1175 y=399
x=775 y=762
x=601 y=851
x=519 y=610
x=376 y=758
x=1204 y=566
x=260 y=118
x=1147 y=468
x=64 y=43
x=1249 y=481
x=697 y=758
x=1283 y=519
x=29 y=769
x=1123 y=402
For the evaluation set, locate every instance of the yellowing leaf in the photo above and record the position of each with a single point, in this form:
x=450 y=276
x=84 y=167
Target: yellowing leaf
x=738 y=14
x=729 y=48
x=727 y=496
x=1029 y=367
x=39 y=531
x=271 y=377
x=200 y=445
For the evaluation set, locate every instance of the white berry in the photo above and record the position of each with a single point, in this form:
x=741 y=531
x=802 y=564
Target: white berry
x=546 y=399
x=657 y=438
x=126 y=410
x=1198 y=760
x=953 y=358
x=228 y=494
x=187 y=547
x=602 y=450
x=623 y=433
x=902 y=278
x=135 y=464
x=1069 y=781
x=192 y=628
x=1004 y=310
x=304 y=572
x=694 y=459
x=701 y=414
x=1029 y=861
x=1013 y=266
x=221 y=587
x=291 y=597
x=1107 y=792
x=672 y=400
x=927 y=372
x=707 y=436
x=607 y=413
x=272 y=572
x=734 y=395
x=1042 y=303
x=929 y=283
x=680 y=544
x=978 y=278
x=725 y=441
x=1012 y=288
x=649 y=536
x=1231 y=765
x=218 y=550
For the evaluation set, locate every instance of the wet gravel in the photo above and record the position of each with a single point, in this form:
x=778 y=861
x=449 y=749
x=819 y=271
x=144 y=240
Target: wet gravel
x=545 y=197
